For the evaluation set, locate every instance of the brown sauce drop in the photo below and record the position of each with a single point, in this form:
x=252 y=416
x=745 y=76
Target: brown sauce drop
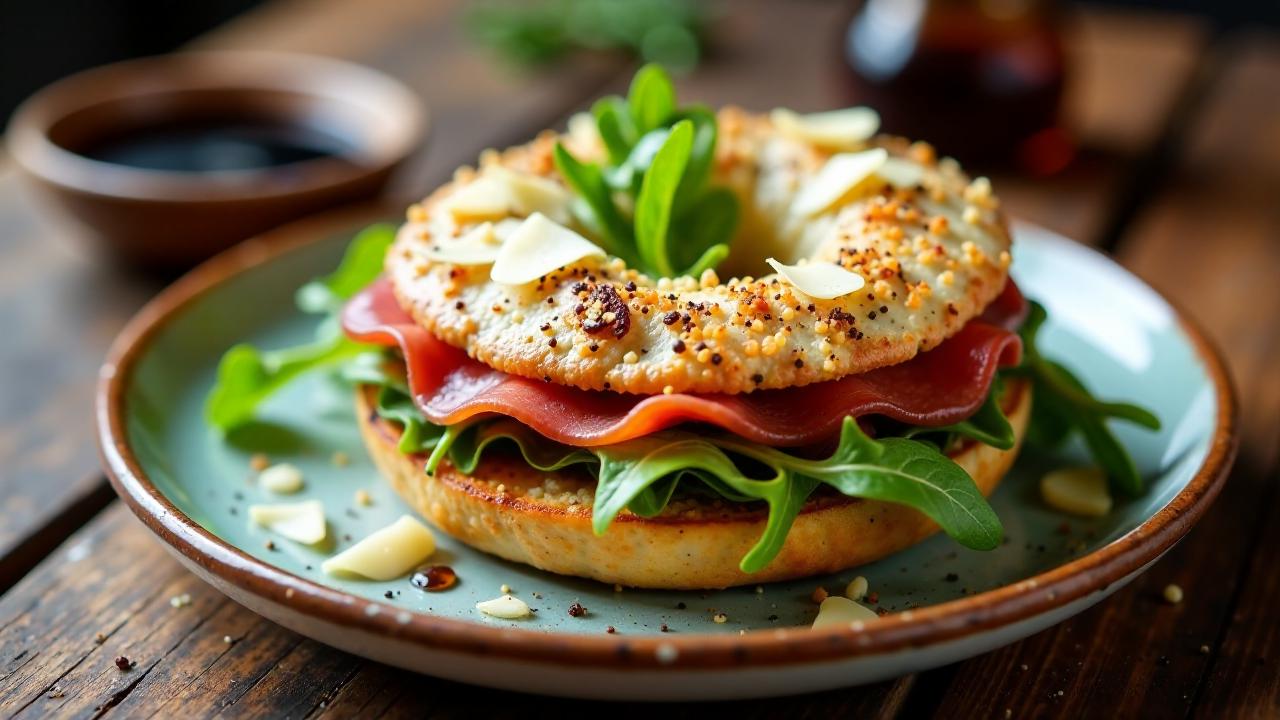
x=434 y=578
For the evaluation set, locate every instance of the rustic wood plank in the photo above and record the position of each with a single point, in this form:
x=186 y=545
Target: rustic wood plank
x=1238 y=147
x=1207 y=242
x=114 y=578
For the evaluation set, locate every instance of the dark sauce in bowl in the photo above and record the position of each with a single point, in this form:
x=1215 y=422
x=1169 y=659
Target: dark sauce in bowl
x=215 y=145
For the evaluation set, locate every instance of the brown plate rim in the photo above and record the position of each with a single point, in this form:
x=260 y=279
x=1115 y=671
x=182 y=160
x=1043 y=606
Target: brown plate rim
x=917 y=628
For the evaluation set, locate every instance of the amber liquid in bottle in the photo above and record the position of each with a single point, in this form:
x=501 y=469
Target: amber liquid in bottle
x=981 y=80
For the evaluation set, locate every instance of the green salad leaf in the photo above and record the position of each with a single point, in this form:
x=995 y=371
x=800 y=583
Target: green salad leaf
x=642 y=475
x=657 y=193
x=530 y=32
x=248 y=376
x=898 y=470
x=1061 y=404
x=652 y=204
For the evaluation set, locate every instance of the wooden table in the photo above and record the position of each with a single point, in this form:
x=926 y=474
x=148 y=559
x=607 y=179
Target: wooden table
x=1179 y=178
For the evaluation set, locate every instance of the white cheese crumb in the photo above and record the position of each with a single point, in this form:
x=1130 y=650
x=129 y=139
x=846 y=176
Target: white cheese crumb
x=385 y=554
x=505 y=607
x=841 y=611
x=283 y=479
x=1079 y=491
x=824 y=281
x=857 y=588
x=301 y=522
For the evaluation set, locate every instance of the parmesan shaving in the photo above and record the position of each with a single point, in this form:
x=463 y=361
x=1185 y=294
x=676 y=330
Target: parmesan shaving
x=477 y=246
x=841 y=177
x=487 y=198
x=283 y=479
x=385 y=554
x=301 y=522
x=500 y=192
x=838 y=611
x=537 y=248
x=1079 y=491
x=824 y=281
x=901 y=173
x=533 y=194
x=505 y=607
x=846 y=129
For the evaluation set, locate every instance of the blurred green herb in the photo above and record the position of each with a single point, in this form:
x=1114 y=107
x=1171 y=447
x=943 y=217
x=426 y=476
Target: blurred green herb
x=538 y=31
x=1062 y=404
x=659 y=163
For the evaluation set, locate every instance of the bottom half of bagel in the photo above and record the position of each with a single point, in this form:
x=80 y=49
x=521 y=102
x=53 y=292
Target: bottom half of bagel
x=519 y=513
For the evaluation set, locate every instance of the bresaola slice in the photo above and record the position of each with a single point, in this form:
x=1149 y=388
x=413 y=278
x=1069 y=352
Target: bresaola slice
x=939 y=387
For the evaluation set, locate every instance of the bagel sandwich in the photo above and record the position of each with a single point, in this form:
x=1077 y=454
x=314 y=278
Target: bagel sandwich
x=677 y=348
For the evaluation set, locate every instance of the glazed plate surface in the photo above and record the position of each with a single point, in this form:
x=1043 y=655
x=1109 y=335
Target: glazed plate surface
x=193 y=487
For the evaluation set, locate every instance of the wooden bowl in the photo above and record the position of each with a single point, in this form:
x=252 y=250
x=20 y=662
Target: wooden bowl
x=168 y=220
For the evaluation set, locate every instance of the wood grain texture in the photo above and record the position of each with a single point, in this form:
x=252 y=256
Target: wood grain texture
x=1207 y=238
x=1233 y=172
x=113 y=578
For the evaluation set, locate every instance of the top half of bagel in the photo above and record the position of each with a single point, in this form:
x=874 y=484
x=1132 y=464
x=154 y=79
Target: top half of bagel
x=932 y=246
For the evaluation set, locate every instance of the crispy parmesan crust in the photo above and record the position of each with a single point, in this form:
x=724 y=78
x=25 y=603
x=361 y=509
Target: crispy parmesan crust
x=934 y=256
x=544 y=519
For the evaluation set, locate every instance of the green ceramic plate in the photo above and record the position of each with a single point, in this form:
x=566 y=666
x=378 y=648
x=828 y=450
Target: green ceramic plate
x=193 y=487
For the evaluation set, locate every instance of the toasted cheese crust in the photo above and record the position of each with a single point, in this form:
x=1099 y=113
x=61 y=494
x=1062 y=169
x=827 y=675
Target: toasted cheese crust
x=933 y=255
x=544 y=519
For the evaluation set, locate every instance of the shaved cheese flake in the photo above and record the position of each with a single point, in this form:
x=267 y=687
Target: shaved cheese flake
x=533 y=194
x=839 y=178
x=901 y=173
x=1079 y=491
x=282 y=479
x=845 y=129
x=824 y=281
x=838 y=611
x=301 y=522
x=505 y=607
x=385 y=554
x=504 y=228
x=539 y=247
x=486 y=198
x=477 y=246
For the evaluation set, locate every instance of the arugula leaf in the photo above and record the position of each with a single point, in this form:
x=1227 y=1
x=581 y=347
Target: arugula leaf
x=417 y=435
x=897 y=470
x=247 y=376
x=536 y=450
x=612 y=232
x=701 y=155
x=617 y=131
x=651 y=203
x=361 y=263
x=657 y=192
x=651 y=99
x=629 y=470
x=704 y=231
x=627 y=176
x=1062 y=403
